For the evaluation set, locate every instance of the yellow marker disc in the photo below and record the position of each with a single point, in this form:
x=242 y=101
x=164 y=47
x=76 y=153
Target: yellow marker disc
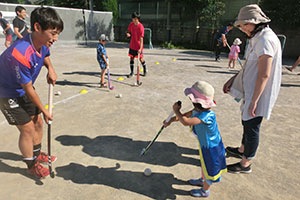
x=120 y=79
x=157 y=63
x=47 y=106
x=83 y=92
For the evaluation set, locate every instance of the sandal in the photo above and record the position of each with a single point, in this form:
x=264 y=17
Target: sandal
x=102 y=85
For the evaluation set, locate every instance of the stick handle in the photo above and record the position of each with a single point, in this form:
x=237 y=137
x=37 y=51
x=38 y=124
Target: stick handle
x=50 y=99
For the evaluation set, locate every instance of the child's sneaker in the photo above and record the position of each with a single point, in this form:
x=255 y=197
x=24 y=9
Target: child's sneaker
x=199 y=193
x=38 y=170
x=43 y=158
x=197 y=182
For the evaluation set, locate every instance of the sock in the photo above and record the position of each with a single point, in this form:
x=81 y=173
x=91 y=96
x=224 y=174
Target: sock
x=36 y=150
x=131 y=66
x=204 y=190
x=29 y=162
x=144 y=66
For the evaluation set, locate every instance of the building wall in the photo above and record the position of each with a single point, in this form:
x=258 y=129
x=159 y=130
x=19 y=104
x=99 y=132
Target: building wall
x=75 y=26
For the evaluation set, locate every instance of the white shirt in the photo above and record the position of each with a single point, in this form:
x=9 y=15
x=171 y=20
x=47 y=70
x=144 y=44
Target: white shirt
x=265 y=42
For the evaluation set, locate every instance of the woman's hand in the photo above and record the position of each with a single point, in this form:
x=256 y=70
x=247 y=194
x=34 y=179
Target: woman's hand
x=252 y=108
x=227 y=85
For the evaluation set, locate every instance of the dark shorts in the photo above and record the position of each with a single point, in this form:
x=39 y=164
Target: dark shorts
x=18 y=111
x=134 y=54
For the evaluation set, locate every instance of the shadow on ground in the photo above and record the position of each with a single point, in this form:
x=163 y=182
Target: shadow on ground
x=156 y=186
x=126 y=149
x=76 y=83
x=15 y=170
x=223 y=72
x=289 y=85
x=209 y=66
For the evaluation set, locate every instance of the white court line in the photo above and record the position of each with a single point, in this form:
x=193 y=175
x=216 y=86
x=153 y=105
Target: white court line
x=58 y=102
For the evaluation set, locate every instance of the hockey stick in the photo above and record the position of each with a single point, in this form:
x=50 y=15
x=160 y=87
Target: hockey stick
x=138 y=71
x=237 y=57
x=50 y=104
x=108 y=77
x=144 y=150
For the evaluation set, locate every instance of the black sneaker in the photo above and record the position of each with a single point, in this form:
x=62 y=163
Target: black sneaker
x=233 y=152
x=238 y=168
x=130 y=75
x=145 y=73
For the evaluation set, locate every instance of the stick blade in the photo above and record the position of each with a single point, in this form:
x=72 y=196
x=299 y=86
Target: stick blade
x=143 y=152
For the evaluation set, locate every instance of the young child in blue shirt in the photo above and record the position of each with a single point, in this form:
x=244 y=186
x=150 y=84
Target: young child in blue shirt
x=102 y=58
x=203 y=124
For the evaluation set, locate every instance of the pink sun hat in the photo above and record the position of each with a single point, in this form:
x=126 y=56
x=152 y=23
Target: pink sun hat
x=201 y=92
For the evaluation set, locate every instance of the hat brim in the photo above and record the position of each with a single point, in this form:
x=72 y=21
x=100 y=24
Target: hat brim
x=238 y=23
x=204 y=102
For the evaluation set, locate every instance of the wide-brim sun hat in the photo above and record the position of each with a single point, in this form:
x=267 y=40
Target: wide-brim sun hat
x=201 y=92
x=237 y=41
x=251 y=14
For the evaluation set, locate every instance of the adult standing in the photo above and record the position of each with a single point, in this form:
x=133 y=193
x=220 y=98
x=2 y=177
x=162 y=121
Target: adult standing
x=6 y=30
x=20 y=27
x=220 y=39
x=261 y=82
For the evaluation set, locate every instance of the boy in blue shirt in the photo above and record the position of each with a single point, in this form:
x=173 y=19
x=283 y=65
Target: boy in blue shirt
x=20 y=65
x=102 y=58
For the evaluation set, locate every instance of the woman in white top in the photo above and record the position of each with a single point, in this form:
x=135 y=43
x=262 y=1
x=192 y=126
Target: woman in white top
x=261 y=82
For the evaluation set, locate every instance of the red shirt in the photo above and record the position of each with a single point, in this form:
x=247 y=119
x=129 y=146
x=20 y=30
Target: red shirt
x=136 y=31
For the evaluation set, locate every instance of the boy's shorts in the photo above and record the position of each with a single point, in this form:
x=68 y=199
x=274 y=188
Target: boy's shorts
x=18 y=111
x=102 y=64
x=134 y=53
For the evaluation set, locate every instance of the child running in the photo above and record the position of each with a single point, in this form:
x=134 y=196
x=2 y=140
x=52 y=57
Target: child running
x=20 y=65
x=203 y=124
x=102 y=58
x=234 y=53
x=136 y=32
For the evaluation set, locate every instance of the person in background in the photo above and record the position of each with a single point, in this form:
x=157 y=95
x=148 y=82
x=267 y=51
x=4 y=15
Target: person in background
x=7 y=31
x=220 y=40
x=20 y=27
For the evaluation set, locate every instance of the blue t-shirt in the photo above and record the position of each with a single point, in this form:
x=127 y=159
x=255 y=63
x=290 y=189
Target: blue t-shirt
x=101 y=51
x=222 y=31
x=20 y=64
x=207 y=132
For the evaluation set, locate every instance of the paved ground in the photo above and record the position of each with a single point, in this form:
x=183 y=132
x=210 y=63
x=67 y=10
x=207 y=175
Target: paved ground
x=98 y=137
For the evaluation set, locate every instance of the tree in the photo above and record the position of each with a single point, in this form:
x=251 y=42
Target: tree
x=283 y=13
x=112 y=5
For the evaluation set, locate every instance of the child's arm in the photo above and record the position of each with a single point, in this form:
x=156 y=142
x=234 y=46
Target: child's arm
x=175 y=118
x=30 y=91
x=185 y=120
x=51 y=76
x=103 y=57
x=141 y=44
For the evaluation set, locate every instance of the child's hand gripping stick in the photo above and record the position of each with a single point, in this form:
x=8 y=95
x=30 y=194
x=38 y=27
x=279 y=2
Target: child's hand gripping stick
x=162 y=127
